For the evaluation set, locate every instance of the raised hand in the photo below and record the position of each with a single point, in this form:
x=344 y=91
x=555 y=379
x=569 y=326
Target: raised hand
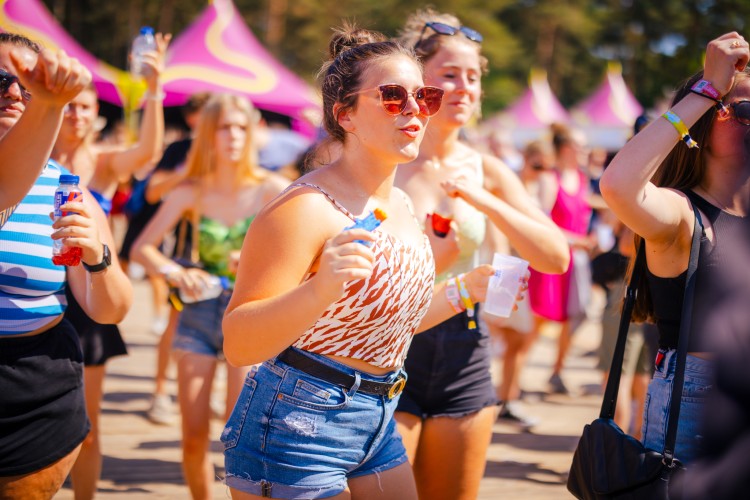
x=153 y=62
x=724 y=57
x=51 y=77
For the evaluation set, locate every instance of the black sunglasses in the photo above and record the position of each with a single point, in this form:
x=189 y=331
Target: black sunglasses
x=6 y=80
x=448 y=30
x=740 y=110
x=394 y=98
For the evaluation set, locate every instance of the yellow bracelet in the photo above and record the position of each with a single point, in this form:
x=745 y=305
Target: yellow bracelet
x=681 y=128
x=466 y=299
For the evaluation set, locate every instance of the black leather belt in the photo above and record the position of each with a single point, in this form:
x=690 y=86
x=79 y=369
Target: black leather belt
x=329 y=374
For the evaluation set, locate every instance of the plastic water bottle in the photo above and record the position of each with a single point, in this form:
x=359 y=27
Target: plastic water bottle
x=66 y=191
x=369 y=222
x=144 y=42
x=214 y=287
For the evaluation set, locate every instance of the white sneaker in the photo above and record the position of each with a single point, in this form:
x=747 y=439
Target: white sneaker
x=161 y=411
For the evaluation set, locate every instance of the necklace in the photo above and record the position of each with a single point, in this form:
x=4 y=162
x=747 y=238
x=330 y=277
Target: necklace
x=721 y=206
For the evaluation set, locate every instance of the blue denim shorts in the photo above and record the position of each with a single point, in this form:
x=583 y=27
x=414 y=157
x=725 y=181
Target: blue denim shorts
x=698 y=380
x=292 y=435
x=199 y=328
x=449 y=371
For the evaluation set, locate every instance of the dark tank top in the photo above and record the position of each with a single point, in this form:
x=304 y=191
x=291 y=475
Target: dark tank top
x=667 y=293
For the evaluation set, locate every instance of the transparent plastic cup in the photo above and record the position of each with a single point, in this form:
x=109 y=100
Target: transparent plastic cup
x=504 y=284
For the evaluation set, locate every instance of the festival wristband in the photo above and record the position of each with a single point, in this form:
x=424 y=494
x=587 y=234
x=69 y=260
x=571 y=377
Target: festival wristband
x=453 y=296
x=468 y=303
x=704 y=88
x=681 y=128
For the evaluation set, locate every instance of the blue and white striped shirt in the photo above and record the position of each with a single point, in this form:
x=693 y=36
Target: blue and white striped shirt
x=32 y=288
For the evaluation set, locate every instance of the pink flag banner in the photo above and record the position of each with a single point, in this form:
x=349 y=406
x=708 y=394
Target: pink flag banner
x=218 y=53
x=32 y=19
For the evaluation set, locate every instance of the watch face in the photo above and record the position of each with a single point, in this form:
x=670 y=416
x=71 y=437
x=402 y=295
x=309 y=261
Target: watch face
x=107 y=257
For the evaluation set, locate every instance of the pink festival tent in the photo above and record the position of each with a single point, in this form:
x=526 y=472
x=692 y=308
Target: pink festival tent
x=530 y=116
x=217 y=52
x=32 y=19
x=607 y=116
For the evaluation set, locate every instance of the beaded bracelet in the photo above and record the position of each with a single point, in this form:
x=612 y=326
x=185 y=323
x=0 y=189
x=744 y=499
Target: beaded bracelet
x=466 y=298
x=453 y=295
x=681 y=128
x=159 y=96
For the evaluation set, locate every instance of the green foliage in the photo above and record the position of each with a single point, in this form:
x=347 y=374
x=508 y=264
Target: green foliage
x=658 y=43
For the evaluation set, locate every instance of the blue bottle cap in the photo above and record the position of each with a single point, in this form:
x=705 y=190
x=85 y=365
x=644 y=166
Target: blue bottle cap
x=147 y=30
x=69 y=179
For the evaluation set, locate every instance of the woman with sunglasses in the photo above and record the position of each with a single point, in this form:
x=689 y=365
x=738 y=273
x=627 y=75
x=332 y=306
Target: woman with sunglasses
x=101 y=168
x=42 y=411
x=329 y=310
x=449 y=405
x=696 y=155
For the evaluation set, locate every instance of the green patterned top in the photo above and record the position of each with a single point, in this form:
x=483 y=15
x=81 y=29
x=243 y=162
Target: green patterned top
x=217 y=241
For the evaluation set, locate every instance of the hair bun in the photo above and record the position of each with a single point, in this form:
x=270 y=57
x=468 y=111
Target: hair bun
x=349 y=36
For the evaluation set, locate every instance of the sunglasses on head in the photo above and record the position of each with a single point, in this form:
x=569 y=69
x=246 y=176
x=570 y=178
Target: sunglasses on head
x=448 y=30
x=6 y=80
x=394 y=98
x=740 y=110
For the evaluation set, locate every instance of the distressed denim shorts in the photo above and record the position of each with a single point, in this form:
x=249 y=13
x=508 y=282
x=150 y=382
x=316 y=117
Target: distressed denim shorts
x=199 y=328
x=698 y=380
x=292 y=435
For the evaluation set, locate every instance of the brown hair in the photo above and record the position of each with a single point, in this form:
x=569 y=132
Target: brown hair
x=682 y=169
x=425 y=45
x=351 y=51
x=19 y=41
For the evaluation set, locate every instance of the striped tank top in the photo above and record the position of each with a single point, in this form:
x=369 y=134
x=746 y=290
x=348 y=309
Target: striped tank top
x=375 y=319
x=32 y=288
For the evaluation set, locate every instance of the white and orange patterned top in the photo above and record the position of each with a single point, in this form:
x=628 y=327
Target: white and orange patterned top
x=375 y=319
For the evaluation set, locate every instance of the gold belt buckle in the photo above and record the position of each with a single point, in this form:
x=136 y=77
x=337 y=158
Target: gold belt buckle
x=396 y=388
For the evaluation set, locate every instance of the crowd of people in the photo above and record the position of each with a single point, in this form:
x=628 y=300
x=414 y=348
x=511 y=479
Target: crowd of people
x=379 y=385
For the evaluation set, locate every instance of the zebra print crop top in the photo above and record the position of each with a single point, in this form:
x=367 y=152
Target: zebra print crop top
x=376 y=317
x=32 y=288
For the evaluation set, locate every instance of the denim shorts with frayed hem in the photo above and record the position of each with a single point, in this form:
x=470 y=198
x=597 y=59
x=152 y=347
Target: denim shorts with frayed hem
x=292 y=435
x=199 y=328
x=698 y=380
x=449 y=371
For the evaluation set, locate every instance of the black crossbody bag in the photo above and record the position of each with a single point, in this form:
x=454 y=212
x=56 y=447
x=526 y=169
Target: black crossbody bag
x=608 y=463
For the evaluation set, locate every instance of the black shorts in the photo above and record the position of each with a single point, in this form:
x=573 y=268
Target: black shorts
x=42 y=409
x=99 y=342
x=449 y=371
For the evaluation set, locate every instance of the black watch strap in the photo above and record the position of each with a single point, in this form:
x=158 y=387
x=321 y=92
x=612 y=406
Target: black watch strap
x=104 y=264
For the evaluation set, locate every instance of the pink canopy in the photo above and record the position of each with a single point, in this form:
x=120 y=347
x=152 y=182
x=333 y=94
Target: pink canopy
x=611 y=105
x=537 y=107
x=32 y=19
x=217 y=52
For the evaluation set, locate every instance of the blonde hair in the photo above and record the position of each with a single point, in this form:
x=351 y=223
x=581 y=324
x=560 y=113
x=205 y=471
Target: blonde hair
x=200 y=161
x=427 y=43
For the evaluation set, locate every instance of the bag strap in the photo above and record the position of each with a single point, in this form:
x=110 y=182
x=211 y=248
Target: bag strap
x=609 y=403
x=686 y=319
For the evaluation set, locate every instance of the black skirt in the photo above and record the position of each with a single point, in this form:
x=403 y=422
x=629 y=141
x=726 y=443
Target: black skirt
x=42 y=409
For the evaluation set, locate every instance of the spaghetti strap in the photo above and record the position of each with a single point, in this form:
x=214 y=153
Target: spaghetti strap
x=322 y=191
x=408 y=203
